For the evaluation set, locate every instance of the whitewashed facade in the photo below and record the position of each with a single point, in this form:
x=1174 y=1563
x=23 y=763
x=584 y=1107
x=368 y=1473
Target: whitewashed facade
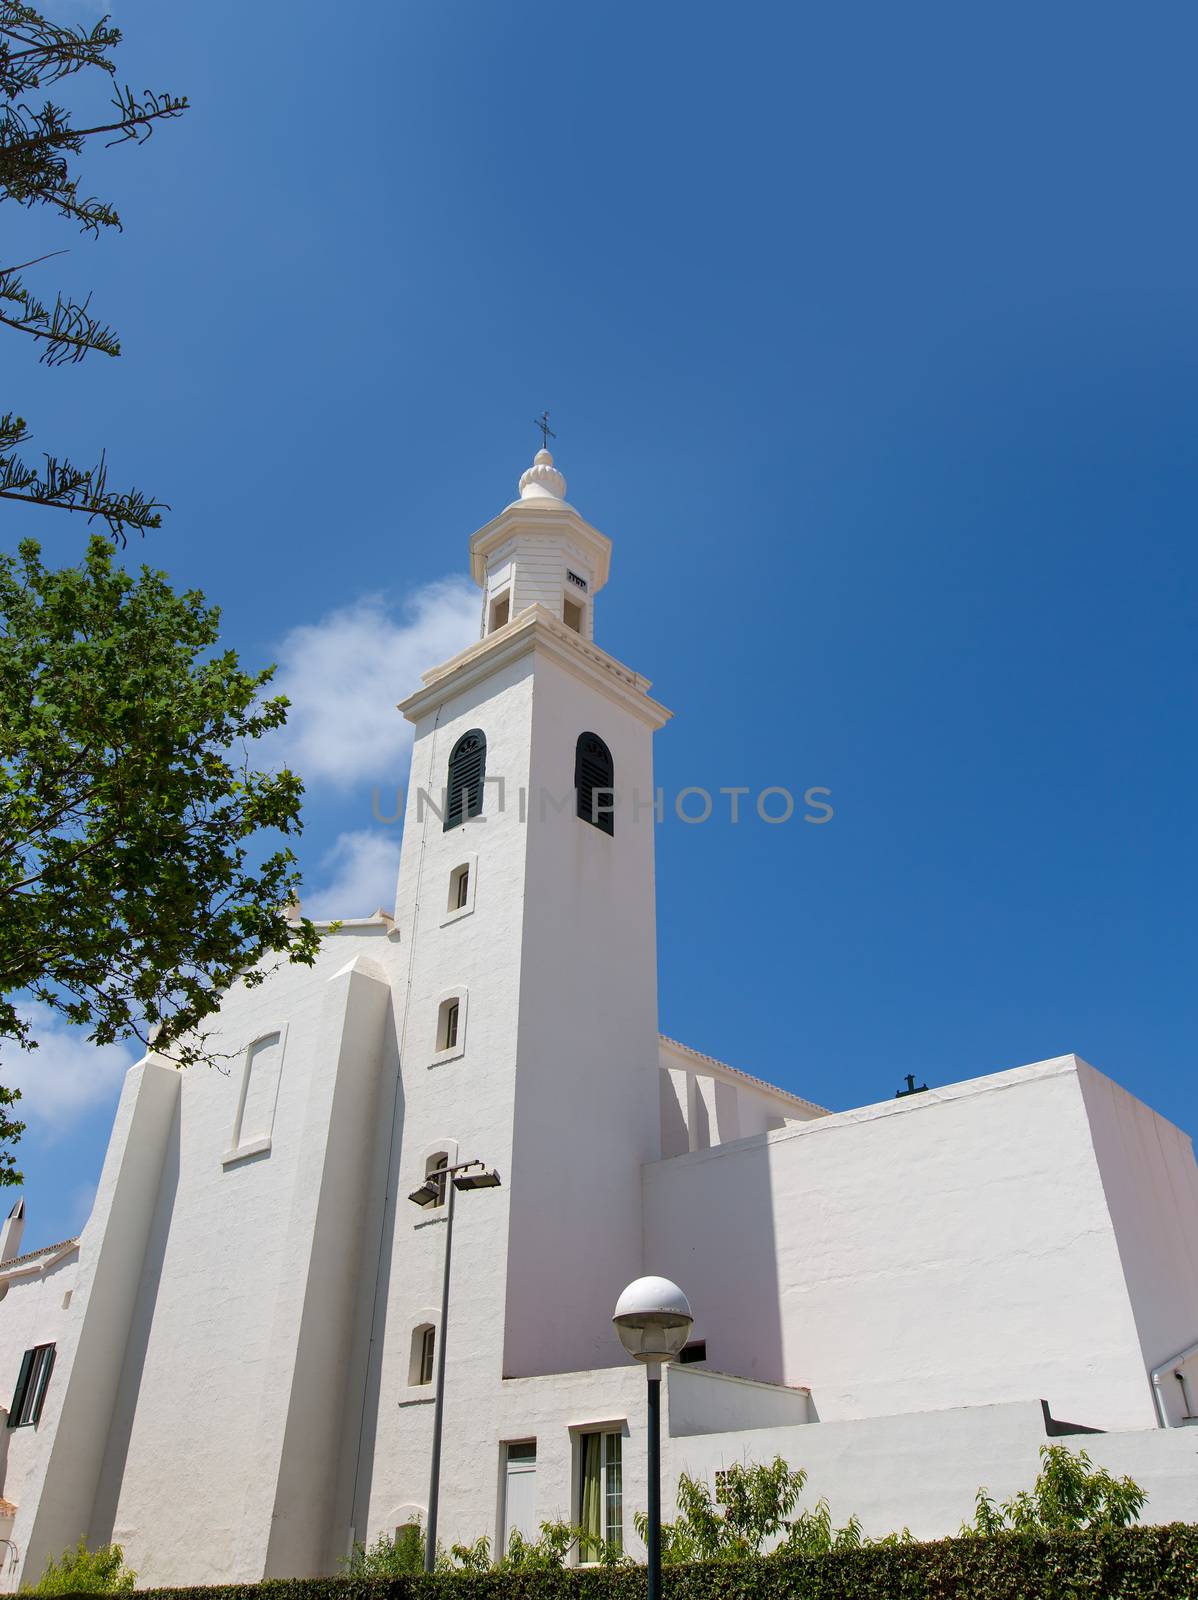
x=907 y=1298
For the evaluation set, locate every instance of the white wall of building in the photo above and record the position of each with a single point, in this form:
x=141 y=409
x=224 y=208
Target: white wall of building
x=1151 y=1185
x=951 y=1248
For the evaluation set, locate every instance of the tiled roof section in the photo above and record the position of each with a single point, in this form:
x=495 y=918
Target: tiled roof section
x=32 y=1255
x=758 y=1083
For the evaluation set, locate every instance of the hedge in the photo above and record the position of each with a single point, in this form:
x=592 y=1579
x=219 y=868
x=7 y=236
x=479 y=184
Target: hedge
x=1108 y=1564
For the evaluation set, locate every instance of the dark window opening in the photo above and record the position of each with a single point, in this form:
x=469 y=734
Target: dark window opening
x=435 y=1170
x=467 y=770
x=448 y=1031
x=594 y=781
x=695 y=1351
x=459 y=888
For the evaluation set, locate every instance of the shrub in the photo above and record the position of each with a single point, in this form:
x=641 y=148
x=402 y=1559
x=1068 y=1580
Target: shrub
x=84 y=1571
x=389 y=1558
x=1134 y=1563
x=753 y=1513
x=1070 y=1493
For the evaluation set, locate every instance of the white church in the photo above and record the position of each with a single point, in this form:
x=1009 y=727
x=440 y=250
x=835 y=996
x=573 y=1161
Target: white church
x=231 y=1371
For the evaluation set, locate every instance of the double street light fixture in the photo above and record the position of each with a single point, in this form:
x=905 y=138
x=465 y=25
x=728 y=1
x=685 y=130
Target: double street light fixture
x=653 y=1319
x=437 y=1188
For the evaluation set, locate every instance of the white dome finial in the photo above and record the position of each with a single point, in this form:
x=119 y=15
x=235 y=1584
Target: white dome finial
x=542 y=481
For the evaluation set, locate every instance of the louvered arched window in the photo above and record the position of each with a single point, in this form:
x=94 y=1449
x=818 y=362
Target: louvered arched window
x=594 y=781
x=467 y=769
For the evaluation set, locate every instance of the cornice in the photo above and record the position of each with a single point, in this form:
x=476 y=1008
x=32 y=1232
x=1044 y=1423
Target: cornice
x=536 y=629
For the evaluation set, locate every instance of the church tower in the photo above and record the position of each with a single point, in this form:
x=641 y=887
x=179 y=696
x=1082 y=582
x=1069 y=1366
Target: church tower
x=528 y=1008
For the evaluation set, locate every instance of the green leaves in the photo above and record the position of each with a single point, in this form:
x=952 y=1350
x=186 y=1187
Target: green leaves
x=755 y=1512
x=84 y=1571
x=135 y=884
x=1070 y=1493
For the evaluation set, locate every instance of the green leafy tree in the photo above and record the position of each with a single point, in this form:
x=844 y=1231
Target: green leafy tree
x=38 y=140
x=135 y=883
x=755 y=1513
x=1070 y=1493
x=84 y=1571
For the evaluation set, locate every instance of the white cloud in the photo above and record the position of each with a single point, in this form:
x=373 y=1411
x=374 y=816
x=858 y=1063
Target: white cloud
x=363 y=867
x=344 y=674
x=65 y=1077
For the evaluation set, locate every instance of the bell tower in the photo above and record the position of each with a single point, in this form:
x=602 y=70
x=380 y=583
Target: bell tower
x=539 y=551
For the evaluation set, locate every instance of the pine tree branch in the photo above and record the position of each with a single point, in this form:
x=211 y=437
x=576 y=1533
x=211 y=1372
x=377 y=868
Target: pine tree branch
x=70 y=488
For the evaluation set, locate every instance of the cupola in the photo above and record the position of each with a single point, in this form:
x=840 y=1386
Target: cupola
x=539 y=551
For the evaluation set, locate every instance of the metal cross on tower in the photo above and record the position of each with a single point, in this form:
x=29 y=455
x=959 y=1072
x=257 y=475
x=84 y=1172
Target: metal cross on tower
x=912 y=1088
x=547 y=432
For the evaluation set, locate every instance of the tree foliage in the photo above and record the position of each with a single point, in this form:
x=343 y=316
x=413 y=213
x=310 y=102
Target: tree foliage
x=755 y=1512
x=134 y=887
x=84 y=1571
x=38 y=140
x=1070 y=1493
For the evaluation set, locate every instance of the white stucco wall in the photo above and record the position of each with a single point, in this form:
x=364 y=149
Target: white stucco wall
x=922 y=1470
x=1151 y=1185
x=205 y=1380
x=31 y=1313
x=950 y=1249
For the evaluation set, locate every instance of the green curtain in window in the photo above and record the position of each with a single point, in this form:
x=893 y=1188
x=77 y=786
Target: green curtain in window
x=591 y=1518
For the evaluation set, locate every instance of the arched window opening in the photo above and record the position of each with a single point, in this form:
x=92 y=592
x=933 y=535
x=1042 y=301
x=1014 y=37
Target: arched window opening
x=424 y=1347
x=434 y=1170
x=594 y=782
x=467 y=769
x=459 y=888
x=448 y=1024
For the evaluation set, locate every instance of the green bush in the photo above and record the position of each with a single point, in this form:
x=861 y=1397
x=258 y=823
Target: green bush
x=84 y=1571
x=1098 y=1564
x=389 y=1558
x=1070 y=1493
x=753 y=1515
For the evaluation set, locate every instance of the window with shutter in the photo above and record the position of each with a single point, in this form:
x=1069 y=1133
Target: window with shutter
x=594 y=782
x=36 y=1367
x=464 y=787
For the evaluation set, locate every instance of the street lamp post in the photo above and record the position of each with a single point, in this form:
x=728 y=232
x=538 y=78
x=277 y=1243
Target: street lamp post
x=653 y=1319
x=437 y=1187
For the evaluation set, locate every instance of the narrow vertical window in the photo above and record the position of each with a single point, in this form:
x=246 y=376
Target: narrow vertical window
x=464 y=785
x=435 y=1168
x=501 y=611
x=459 y=888
x=424 y=1346
x=572 y=614
x=447 y=1026
x=601 y=1500
x=428 y=1349
x=594 y=782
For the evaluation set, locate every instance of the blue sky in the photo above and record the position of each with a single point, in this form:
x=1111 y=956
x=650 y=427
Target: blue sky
x=870 y=337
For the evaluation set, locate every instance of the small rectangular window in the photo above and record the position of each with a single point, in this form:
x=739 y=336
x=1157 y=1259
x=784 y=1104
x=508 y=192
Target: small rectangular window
x=27 y=1402
x=695 y=1351
x=572 y=614
x=501 y=610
